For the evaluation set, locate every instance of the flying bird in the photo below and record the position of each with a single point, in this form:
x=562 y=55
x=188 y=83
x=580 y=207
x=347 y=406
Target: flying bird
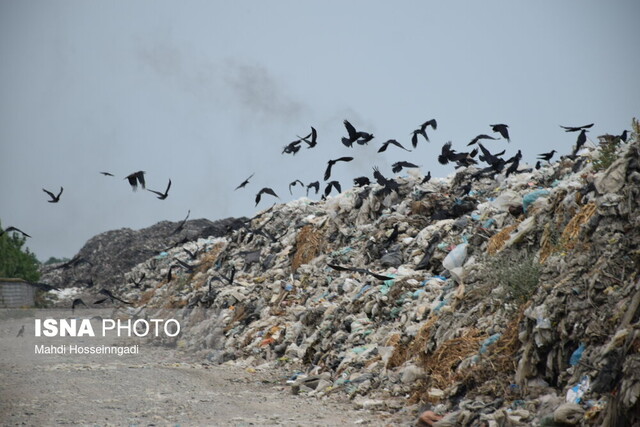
x=576 y=128
x=294 y=183
x=245 y=182
x=361 y=181
x=292 y=147
x=315 y=185
x=106 y=173
x=355 y=136
x=164 y=195
x=136 y=178
x=388 y=184
x=76 y=302
x=109 y=295
x=479 y=137
x=137 y=283
x=54 y=199
x=387 y=143
x=422 y=130
x=266 y=190
x=314 y=138
x=182 y=223
x=10 y=229
x=330 y=163
x=547 y=156
x=502 y=130
x=330 y=186
x=397 y=166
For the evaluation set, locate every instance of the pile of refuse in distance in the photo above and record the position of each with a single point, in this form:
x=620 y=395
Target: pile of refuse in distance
x=514 y=304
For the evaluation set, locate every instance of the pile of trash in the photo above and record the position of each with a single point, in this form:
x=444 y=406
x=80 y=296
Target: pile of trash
x=514 y=301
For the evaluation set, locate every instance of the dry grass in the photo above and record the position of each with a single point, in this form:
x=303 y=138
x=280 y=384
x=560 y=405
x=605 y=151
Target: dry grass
x=572 y=230
x=309 y=244
x=497 y=241
x=416 y=347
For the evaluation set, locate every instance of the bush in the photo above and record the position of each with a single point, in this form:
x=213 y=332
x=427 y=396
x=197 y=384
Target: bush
x=518 y=272
x=15 y=262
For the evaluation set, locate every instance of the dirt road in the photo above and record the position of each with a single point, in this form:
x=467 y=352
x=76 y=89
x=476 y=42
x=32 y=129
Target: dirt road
x=157 y=386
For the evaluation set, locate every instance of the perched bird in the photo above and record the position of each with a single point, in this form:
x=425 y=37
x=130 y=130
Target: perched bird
x=547 y=156
x=397 y=166
x=106 y=173
x=112 y=297
x=76 y=302
x=315 y=185
x=245 y=182
x=169 y=273
x=181 y=224
x=623 y=136
x=422 y=130
x=292 y=147
x=538 y=165
x=330 y=186
x=10 y=229
x=355 y=136
x=136 y=178
x=359 y=270
x=388 y=184
x=263 y=191
x=427 y=178
x=361 y=181
x=330 y=163
x=479 y=137
x=513 y=168
x=294 y=183
x=314 y=138
x=576 y=128
x=393 y=142
x=54 y=199
x=502 y=130
x=20 y=332
x=164 y=195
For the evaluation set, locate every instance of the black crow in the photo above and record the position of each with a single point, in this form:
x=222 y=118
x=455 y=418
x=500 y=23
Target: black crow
x=76 y=302
x=391 y=141
x=192 y=255
x=427 y=178
x=397 y=166
x=182 y=223
x=106 y=173
x=582 y=139
x=537 y=165
x=576 y=128
x=479 y=137
x=10 y=229
x=355 y=136
x=245 y=182
x=294 y=183
x=513 y=168
x=388 y=184
x=315 y=185
x=137 y=283
x=330 y=163
x=547 y=156
x=54 y=198
x=314 y=138
x=292 y=147
x=136 y=178
x=623 y=136
x=361 y=181
x=330 y=186
x=109 y=295
x=422 y=130
x=164 y=195
x=446 y=154
x=20 y=332
x=74 y=262
x=267 y=191
x=502 y=130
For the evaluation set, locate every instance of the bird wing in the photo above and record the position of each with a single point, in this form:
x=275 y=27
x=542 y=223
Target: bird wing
x=140 y=176
x=327 y=172
x=168 y=187
x=49 y=193
x=353 y=135
x=336 y=185
x=8 y=229
x=433 y=123
x=344 y=159
x=384 y=146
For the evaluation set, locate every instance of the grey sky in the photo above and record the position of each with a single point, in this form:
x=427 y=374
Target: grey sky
x=207 y=92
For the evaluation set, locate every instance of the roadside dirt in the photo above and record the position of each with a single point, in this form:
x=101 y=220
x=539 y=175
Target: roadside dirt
x=158 y=386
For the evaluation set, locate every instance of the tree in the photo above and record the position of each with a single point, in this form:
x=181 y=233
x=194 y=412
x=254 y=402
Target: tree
x=15 y=262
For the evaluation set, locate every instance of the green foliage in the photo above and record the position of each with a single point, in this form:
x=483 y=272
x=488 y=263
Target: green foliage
x=15 y=262
x=608 y=154
x=517 y=271
x=54 y=260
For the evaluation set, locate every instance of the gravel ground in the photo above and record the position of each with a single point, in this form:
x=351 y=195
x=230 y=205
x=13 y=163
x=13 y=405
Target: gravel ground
x=158 y=386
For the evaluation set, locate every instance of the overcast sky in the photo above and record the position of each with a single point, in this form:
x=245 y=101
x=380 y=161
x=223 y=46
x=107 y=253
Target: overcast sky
x=207 y=92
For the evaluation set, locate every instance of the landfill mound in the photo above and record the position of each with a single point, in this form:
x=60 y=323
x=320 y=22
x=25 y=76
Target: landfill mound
x=105 y=258
x=514 y=303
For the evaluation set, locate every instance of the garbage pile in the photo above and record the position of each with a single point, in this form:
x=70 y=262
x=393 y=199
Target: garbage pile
x=512 y=301
x=106 y=257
